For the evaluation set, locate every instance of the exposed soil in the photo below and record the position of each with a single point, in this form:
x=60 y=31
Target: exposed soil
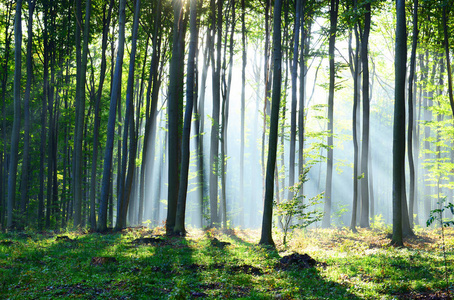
x=296 y=261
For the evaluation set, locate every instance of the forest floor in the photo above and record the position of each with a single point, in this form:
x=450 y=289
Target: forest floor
x=141 y=263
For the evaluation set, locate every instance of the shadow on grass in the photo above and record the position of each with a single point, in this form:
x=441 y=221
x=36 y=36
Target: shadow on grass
x=173 y=268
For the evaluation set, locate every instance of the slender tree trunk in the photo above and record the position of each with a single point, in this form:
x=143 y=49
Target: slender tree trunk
x=185 y=151
x=80 y=108
x=411 y=113
x=329 y=168
x=129 y=127
x=116 y=88
x=93 y=185
x=266 y=236
x=4 y=155
x=294 y=99
x=216 y=81
x=399 y=123
x=14 y=159
x=364 y=219
x=174 y=121
x=26 y=155
x=243 y=108
x=355 y=124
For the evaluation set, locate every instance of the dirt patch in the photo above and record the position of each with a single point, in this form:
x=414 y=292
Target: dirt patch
x=218 y=244
x=296 y=261
x=147 y=241
x=439 y=295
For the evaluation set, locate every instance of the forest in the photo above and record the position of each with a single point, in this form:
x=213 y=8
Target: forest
x=160 y=139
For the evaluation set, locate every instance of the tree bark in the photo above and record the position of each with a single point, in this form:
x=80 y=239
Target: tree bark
x=129 y=127
x=329 y=162
x=174 y=122
x=411 y=113
x=294 y=99
x=399 y=123
x=364 y=221
x=14 y=157
x=266 y=236
x=185 y=150
x=26 y=155
x=116 y=89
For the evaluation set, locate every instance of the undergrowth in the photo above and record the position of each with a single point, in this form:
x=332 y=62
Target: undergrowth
x=113 y=266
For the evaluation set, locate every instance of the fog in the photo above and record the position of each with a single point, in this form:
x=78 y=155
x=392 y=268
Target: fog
x=382 y=93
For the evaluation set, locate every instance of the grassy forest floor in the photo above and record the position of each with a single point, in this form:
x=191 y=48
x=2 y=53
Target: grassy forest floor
x=140 y=263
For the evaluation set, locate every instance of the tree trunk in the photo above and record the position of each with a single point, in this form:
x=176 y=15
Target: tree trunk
x=294 y=99
x=329 y=163
x=355 y=72
x=411 y=113
x=116 y=89
x=26 y=155
x=266 y=236
x=174 y=121
x=364 y=218
x=93 y=183
x=399 y=123
x=243 y=108
x=185 y=149
x=14 y=159
x=126 y=180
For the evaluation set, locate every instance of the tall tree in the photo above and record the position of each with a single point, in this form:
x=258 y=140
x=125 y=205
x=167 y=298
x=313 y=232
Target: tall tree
x=173 y=117
x=334 y=6
x=115 y=94
x=364 y=221
x=243 y=107
x=185 y=151
x=216 y=83
x=399 y=122
x=107 y=14
x=128 y=132
x=294 y=98
x=80 y=108
x=26 y=155
x=355 y=68
x=266 y=236
x=14 y=156
x=411 y=114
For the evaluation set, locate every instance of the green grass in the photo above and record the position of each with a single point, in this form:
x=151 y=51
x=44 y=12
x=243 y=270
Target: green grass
x=351 y=266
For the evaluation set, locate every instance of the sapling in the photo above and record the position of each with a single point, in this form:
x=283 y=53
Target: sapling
x=295 y=208
x=437 y=214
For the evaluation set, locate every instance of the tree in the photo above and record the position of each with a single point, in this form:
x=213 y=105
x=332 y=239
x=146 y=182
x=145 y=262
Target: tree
x=173 y=116
x=364 y=221
x=266 y=236
x=115 y=94
x=185 y=151
x=334 y=7
x=106 y=23
x=80 y=108
x=411 y=114
x=243 y=106
x=216 y=83
x=129 y=127
x=294 y=99
x=26 y=155
x=17 y=107
x=399 y=122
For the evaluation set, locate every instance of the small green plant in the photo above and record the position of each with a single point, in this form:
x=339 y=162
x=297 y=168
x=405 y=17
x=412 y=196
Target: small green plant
x=295 y=208
x=378 y=222
x=437 y=214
